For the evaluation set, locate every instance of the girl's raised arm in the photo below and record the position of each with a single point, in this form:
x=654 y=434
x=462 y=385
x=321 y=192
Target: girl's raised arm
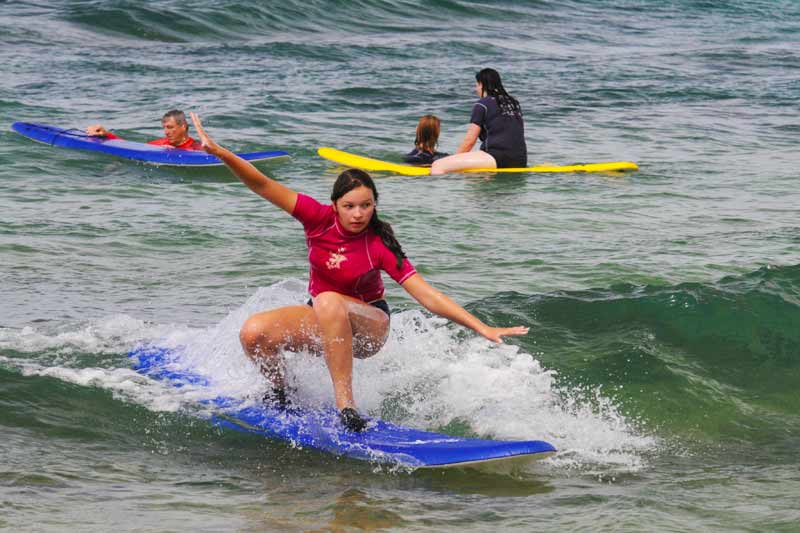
x=439 y=303
x=278 y=194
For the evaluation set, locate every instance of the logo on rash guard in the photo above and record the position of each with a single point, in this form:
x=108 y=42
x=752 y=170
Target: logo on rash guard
x=336 y=258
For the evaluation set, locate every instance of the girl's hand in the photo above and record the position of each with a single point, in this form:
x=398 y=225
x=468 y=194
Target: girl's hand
x=208 y=143
x=496 y=334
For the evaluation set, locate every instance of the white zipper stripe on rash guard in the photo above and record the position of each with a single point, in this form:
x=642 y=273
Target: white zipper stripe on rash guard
x=311 y=287
x=371 y=268
x=321 y=232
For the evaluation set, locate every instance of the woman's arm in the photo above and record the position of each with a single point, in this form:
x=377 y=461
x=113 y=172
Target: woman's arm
x=440 y=304
x=473 y=132
x=278 y=194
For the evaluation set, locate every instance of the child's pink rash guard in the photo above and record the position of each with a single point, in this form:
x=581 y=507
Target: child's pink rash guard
x=344 y=262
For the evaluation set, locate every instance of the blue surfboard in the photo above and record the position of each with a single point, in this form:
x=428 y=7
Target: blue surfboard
x=382 y=442
x=146 y=153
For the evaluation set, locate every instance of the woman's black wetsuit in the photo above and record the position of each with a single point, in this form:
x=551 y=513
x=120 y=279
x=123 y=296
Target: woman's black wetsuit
x=502 y=133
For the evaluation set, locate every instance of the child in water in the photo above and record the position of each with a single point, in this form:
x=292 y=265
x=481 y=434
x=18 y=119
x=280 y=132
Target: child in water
x=424 y=152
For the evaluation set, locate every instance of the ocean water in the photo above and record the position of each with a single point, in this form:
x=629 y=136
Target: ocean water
x=663 y=359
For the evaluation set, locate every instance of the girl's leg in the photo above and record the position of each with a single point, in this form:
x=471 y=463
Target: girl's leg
x=462 y=161
x=338 y=326
x=264 y=335
x=348 y=328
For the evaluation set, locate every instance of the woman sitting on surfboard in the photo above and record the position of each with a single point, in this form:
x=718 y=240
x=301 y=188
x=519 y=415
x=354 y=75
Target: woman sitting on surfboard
x=424 y=152
x=497 y=121
x=347 y=316
x=176 y=132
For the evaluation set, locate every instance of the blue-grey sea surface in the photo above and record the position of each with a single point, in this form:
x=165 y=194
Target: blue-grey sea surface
x=663 y=359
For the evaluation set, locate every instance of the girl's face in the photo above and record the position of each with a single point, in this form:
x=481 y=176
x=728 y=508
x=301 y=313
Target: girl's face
x=479 y=89
x=355 y=209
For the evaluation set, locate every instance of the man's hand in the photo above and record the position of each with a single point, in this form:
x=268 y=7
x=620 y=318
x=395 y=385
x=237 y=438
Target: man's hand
x=96 y=130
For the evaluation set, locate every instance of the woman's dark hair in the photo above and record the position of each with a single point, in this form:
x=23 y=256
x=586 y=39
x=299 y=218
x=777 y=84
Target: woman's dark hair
x=354 y=178
x=489 y=79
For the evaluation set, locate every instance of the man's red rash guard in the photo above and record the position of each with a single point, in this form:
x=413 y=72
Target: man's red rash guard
x=188 y=144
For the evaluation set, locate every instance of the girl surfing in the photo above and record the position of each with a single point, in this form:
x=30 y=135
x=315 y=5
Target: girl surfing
x=347 y=315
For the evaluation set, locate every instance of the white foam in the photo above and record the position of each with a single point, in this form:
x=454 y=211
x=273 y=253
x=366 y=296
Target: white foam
x=430 y=374
x=61 y=354
x=124 y=384
x=498 y=391
x=109 y=335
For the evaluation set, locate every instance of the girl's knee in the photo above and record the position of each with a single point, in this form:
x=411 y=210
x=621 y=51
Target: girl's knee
x=254 y=335
x=248 y=334
x=330 y=306
x=371 y=342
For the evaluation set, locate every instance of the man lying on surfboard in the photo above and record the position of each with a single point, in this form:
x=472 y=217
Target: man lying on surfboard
x=347 y=315
x=176 y=132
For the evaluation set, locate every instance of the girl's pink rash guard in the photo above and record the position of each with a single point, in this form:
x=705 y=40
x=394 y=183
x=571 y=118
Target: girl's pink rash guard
x=345 y=262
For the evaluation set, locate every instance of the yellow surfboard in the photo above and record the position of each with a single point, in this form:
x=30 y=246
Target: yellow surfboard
x=376 y=165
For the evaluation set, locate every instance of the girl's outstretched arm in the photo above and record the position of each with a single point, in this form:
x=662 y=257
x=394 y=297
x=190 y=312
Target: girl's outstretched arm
x=278 y=194
x=440 y=304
